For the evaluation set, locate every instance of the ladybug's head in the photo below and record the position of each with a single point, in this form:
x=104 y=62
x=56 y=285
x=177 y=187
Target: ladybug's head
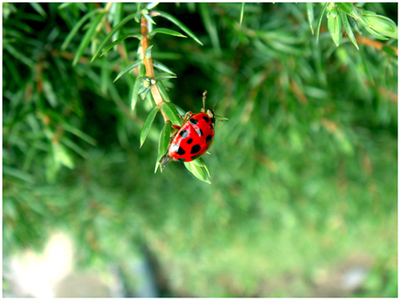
x=210 y=113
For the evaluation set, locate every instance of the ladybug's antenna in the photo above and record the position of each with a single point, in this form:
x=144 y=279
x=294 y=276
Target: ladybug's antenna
x=204 y=100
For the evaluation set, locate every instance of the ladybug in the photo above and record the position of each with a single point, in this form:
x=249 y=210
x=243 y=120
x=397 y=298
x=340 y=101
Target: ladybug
x=192 y=139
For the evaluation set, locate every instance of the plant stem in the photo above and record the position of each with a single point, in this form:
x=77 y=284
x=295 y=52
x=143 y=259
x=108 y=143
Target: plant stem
x=148 y=62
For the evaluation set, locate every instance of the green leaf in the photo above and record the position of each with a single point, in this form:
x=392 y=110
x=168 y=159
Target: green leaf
x=77 y=26
x=129 y=68
x=171 y=113
x=210 y=26
x=197 y=171
x=39 y=9
x=335 y=26
x=355 y=26
x=241 y=13
x=115 y=15
x=163 y=76
x=147 y=53
x=376 y=34
x=144 y=87
x=146 y=92
x=180 y=110
x=177 y=23
x=138 y=36
x=87 y=37
x=128 y=18
x=200 y=162
x=164 y=140
x=61 y=156
x=147 y=124
x=10 y=171
x=18 y=55
x=310 y=16
x=366 y=68
x=383 y=25
x=320 y=19
x=162 y=67
x=163 y=92
x=80 y=134
x=151 y=5
x=349 y=9
x=348 y=29
x=148 y=18
x=67 y=142
x=165 y=31
x=49 y=93
x=135 y=92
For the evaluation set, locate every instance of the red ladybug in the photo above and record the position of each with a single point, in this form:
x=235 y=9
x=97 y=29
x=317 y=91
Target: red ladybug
x=192 y=139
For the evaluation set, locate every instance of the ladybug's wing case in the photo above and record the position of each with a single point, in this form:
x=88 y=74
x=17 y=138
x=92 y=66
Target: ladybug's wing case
x=193 y=139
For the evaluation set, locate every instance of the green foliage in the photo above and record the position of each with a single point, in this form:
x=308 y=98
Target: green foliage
x=147 y=124
x=304 y=173
x=338 y=13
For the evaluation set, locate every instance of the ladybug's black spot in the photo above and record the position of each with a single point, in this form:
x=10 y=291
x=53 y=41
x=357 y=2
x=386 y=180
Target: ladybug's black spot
x=181 y=151
x=211 y=127
x=195 y=149
x=209 y=138
x=206 y=119
x=193 y=121
x=199 y=132
x=189 y=141
x=181 y=159
x=195 y=156
x=184 y=133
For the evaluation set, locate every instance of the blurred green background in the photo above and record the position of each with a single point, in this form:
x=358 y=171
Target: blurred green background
x=304 y=173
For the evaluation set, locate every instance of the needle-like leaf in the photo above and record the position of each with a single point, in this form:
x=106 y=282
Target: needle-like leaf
x=241 y=13
x=320 y=19
x=87 y=37
x=348 y=29
x=310 y=16
x=147 y=124
x=128 y=18
x=129 y=68
x=162 y=67
x=164 y=140
x=36 y=6
x=165 y=31
x=177 y=23
x=138 y=36
x=171 y=112
x=77 y=26
x=335 y=26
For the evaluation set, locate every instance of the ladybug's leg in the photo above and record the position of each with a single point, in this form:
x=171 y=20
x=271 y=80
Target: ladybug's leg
x=175 y=129
x=188 y=115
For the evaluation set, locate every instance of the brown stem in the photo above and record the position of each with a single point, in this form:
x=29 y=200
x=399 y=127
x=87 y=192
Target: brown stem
x=377 y=45
x=369 y=42
x=148 y=62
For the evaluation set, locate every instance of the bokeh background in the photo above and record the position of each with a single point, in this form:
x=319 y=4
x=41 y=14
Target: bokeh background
x=303 y=199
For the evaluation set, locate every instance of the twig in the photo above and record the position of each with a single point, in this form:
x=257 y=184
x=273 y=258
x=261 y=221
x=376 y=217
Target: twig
x=148 y=62
x=369 y=42
x=377 y=45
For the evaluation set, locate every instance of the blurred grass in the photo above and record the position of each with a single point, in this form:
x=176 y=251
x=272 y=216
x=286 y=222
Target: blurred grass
x=304 y=173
